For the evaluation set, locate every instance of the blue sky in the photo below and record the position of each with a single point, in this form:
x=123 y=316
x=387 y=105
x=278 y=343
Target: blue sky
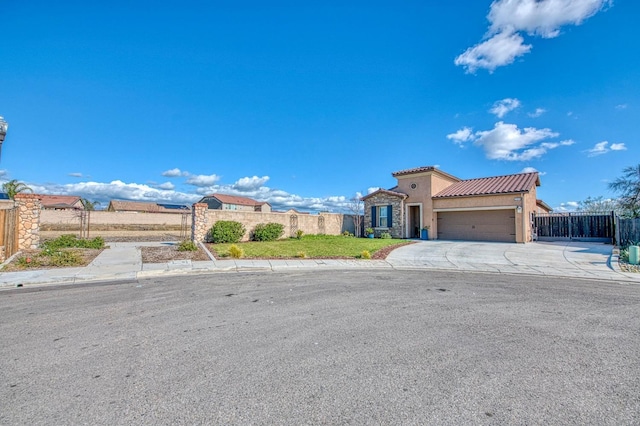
x=305 y=104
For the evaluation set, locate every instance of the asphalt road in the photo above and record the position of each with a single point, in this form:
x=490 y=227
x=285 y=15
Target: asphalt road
x=329 y=347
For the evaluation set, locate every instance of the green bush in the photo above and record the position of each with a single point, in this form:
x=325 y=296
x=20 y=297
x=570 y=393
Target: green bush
x=301 y=255
x=226 y=231
x=365 y=254
x=299 y=234
x=347 y=234
x=69 y=241
x=187 y=245
x=268 y=232
x=385 y=235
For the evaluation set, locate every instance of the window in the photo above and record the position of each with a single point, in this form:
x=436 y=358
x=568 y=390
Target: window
x=381 y=217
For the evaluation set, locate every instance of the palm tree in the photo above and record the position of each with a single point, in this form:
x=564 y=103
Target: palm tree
x=89 y=205
x=628 y=186
x=14 y=187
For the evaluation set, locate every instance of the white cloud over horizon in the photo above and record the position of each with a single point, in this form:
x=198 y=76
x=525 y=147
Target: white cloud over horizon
x=463 y=135
x=503 y=42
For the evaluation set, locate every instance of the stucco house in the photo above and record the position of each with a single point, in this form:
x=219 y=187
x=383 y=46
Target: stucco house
x=60 y=202
x=497 y=208
x=234 y=202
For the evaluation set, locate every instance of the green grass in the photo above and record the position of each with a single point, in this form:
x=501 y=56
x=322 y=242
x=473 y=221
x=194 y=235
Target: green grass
x=313 y=246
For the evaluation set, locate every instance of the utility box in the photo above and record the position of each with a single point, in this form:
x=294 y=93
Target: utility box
x=634 y=251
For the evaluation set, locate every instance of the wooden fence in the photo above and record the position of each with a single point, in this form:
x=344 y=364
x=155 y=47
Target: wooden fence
x=574 y=226
x=627 y=232
x=8 y=232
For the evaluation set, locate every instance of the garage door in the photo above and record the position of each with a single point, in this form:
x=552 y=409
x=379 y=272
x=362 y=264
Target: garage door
x=481 y=225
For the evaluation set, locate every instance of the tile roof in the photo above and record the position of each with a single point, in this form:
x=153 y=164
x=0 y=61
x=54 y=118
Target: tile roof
x=59 y=201
x=422 y=170
x=491 y=185
x=234 y=199
x=145 y=207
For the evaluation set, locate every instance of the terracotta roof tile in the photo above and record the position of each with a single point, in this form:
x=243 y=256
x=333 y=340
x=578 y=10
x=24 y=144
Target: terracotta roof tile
x=491 y=185
x=234 y=199
x=60 y=201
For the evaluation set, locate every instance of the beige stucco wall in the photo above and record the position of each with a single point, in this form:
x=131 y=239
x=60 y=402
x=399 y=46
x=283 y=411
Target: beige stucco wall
x=527 y=201
x=323 y=223
x=102 y=217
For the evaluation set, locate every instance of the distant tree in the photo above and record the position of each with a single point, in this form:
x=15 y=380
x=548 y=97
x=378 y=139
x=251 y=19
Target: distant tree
x=628 y=186
x=14 y=187
x=89 y=205
x=356 y=208
x=599 y=205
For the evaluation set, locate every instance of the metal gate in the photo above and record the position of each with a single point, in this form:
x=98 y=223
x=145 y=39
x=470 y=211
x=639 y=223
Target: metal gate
x=9 y=231
x=574 y=226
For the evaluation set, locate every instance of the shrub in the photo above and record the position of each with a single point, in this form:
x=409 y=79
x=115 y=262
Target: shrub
x=365 y=254
x=347 y=234
x=226 y=231
x=68 y=241
x=301 y=255
x=368 y=231
x=299 y=234
x=385 y=235
x=236 y=252
x=268 y=232
x=187 y=245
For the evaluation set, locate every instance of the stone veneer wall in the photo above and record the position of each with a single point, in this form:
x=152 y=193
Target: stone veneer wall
x=397 y=214
x=323 y=223
x=199 y=222
x=29 y=208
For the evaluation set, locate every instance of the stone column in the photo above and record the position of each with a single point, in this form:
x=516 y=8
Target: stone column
x=199 y=222
x=29 y=207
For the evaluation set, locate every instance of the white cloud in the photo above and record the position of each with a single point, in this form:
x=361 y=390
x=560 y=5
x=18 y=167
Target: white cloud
x=3 y=173
x=503 y=42
x=373 y=189
x=508 y=142
x=604 y=147
x=76 y=175
x=618 y=147
x=622 y=106
x=541 y=17
x=166 y=185
x=174 y=173
x=500 y=50
x=202 y=180
x=250 y=183
x=537 y=113
x=504 y=106
x=463 y=135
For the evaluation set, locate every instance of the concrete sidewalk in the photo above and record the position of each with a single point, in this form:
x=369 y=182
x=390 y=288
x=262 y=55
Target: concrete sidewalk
x=123 y=261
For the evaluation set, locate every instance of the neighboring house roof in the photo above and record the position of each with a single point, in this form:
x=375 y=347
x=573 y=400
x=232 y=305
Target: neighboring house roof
x=59 y=201
x=234 y=199
x=422 y=170
x=491 y=185
x=386 y=191
x=4 y=196
x=544 y=205
x=146 y=207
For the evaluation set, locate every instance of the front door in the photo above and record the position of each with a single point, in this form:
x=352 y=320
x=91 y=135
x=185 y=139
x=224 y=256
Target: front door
x=413 y=230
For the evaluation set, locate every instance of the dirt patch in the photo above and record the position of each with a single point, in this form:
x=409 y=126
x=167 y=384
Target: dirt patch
x=169 y=253
x=384 y=252
x=627 y=267
x=32 y=260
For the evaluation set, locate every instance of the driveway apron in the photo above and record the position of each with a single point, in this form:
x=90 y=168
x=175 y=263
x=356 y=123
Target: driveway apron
x=567 y=259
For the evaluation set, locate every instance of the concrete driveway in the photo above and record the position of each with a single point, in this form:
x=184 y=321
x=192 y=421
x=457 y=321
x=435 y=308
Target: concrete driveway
x=566 y=258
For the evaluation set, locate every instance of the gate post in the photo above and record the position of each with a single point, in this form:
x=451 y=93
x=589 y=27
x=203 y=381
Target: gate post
x=199 y=222
x=29 y=207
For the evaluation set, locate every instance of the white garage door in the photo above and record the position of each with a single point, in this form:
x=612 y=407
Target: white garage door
x=479 y=225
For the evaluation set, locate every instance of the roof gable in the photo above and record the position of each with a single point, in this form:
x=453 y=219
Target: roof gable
x=386 y=192
x=234 y=199
x=522 y=182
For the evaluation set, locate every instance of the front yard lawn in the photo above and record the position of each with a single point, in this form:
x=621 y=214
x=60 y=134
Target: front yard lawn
x=309 y=246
